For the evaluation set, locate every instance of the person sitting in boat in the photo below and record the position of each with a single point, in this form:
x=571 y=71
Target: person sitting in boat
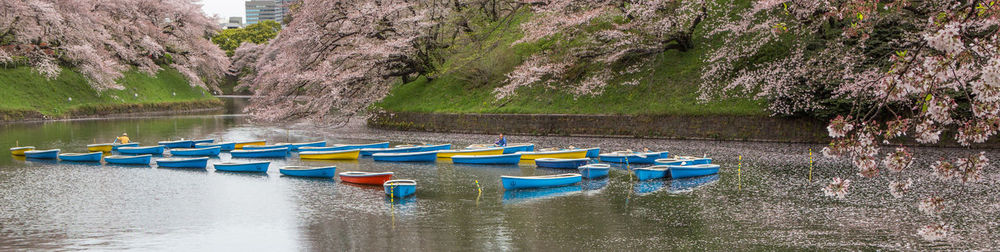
x=502 y=142
x=122 y=139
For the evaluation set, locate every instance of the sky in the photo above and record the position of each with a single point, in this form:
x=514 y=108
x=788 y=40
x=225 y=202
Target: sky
x=224 y=8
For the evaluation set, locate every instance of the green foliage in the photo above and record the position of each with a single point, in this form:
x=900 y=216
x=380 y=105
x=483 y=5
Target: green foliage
x=258 y=33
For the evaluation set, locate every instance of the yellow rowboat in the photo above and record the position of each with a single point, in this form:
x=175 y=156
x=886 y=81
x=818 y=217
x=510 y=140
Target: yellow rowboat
x=450 y=153
x=330 y=155
x=239 y=145
x=19 y=151
x=532 y=155
x=100 y=147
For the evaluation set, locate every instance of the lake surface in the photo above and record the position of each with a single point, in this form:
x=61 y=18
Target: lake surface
x=767 y=204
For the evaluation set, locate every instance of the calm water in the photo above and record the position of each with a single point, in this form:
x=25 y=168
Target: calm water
x=61 y=205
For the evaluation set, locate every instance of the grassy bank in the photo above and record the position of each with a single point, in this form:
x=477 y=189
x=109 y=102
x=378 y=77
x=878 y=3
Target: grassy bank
x=27 y=94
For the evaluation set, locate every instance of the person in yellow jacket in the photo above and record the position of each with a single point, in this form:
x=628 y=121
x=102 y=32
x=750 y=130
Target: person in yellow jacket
x=122 y=139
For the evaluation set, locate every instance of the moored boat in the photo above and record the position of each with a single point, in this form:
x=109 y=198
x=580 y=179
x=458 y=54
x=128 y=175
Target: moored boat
x=155 y=150
x=468 y=152
x=225 y=146
x=592 y=171
x=208 y=151
x=400 y=188
x=19 y=151
x=697 y=160
x=673 y=161
x=370 y=151
x=260 y=166
x=131 y=144
x=177 y=144
x=240 y=144
x=365 y=178
x=337 y=147
x=561 y=163
x=330 y=155
x=632 y=157
x=532 y=155
x=314 y=172
x=296 y=146
x=81 y=157
x=264 y=153
x=426 y=156
x=520 y=182
x=198 y=162
x=42 y=154
x=697 y=170
x=438 y=147
x=502 y=159
x=287 y=147
x=129 y=160
x=518 y=147
x=203 y=141
x=652 y=172
x=102 y=147
x=593 y=152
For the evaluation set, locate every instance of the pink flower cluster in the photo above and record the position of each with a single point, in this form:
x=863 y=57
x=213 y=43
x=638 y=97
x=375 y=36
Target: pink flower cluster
x=837 y=188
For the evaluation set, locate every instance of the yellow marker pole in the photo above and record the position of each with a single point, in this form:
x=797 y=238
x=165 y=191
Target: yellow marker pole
x=739 y=172
x=810 y=165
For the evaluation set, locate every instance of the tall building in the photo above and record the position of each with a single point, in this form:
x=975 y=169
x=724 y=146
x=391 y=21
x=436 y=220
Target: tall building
x=233 y=23
x=260 y=10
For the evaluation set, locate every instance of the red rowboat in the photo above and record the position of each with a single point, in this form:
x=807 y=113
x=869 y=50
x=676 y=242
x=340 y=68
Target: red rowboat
x=366 y=178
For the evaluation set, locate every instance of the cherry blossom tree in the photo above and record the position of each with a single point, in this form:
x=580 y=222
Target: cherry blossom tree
x=104 y=38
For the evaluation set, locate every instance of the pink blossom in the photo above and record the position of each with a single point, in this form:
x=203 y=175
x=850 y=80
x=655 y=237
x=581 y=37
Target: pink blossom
x=935 y=232
x=932 y=206
x=897 y=189
x=837 y=188
x=899 y=160
x=839 y=127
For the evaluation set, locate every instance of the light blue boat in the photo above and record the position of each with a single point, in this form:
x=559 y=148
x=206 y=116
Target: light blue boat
x=521 y=182
x=177 y=144
x=426 y=156
x=438 y=147
x=594 y=152
x=82 y=157
x=689 y=171
x=116 y=146
x=209 y=151
x=42 y=154
x=400 y=188
x=203 y=141
x=674 y=161
x=129 y=160
x=561 y=163
x=593 y=171
x=520 y=196
x=260 y=166
x=155 y=150
x=198 y=162
x=513 y=148
x=505 y=159
x=287 y=147
x=337 y=147
x=697 y=160
x=296 y=146
x=632 y=157
x=313 y=172
x=265 y=153
x=225 y=146
x=370 y=151
x=652 y=172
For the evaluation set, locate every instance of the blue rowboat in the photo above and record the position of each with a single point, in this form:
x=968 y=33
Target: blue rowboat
x=370 y=151
x=514 y=148
x=593 y=171
x=400 y=188
x=260 y=166
x=116 y=146
x=287 y=147
x=203 y=141
x=520 y=182
x=652 y=172
x=210 y=151
x=438 y=147
x=673 y=161
x=42 y=154
x=505 y=159
x=296 y=146
x=689 y=171
x=632 y=157
x=520 y=196
x=198 y=162
x=561 y=163
x=177 y=144
x=314 y=172
x=82 y=157
x=156 y=150
x=225 y=146
x=337 y=147
x=594 y=152
x=697 y=160
x=426 y=156
x=129 y=160
x=265 y=153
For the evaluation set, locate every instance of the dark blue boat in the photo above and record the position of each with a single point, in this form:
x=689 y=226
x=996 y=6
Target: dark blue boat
x=561 y=163
x=156 y=150
x=688 y=171
x=129 y=160
x=177 y=144
x=42 y=154
x=204 y=152
x=82 y=157
x=400 y=188
x=260 y=166
x=265 y=153
x=593 y=171
x=505 y=159
x=652 y=172
x=199 y=162
x=426 y=156
x=313 y=172
x=521 y=182
x=225 y=146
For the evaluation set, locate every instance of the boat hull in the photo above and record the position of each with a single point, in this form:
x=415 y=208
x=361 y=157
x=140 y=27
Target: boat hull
x=296 y=146
x=400 y=188
x=267 y=147
x=330 y=155
x=554 y=154
x=690 y=171
x=370 y=151
x=116 y=146
x=129 y=160
x=243 y=167
x=155 y=150
x=594 y=171
x=203 y=141
x=652 y=172
x=177 y=144
x=638 y=158
x=42 y=154
x=427 y=156
x=439 y=147
x=240 y=145
x=366 y=178
x=183 y=163
x=265 y=153
x=224 y=146
x=326 y=172
x=19 y=151
x=451 y=153
x=210 y=151
x=504 y=159
x=108 y=147
x=513 y=182
x=560 y=163
x=510 y=149
x=82 y=157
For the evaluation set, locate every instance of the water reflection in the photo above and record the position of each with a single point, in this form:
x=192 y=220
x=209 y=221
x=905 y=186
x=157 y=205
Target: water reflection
x=688 y=184
x=527 y=195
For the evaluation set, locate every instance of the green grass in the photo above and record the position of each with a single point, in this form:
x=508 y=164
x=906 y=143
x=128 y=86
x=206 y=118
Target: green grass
x=667 y=82
x=24 y=89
